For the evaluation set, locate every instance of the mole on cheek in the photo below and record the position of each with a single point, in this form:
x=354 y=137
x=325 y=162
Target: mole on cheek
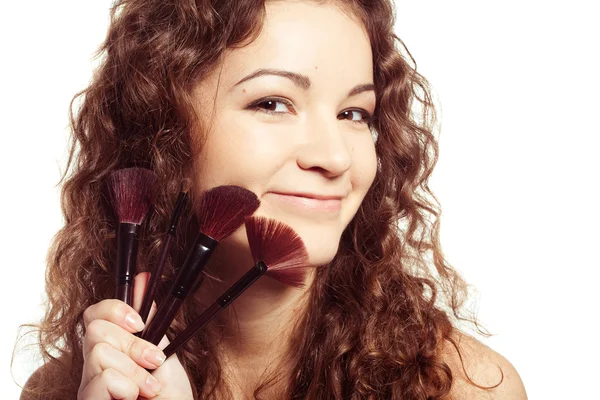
x=243 y=90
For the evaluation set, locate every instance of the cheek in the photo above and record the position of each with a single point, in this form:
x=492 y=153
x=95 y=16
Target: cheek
x=364 y=165
x=238 y=151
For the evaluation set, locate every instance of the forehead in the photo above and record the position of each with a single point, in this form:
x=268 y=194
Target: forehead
x=319 y=40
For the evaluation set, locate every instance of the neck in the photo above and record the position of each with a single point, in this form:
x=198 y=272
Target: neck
x=258 y=326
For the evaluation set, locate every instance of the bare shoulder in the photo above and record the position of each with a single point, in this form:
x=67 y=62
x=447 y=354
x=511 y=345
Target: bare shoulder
x=484 y=367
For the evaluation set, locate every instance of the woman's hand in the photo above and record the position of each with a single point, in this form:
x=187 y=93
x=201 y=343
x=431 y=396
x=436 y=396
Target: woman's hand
x=115 y=360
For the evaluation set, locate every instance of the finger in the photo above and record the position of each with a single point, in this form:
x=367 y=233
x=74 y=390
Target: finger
x=110 y=384
x=114 y=311
x=142 y=352
x=140 y=282
x=104 y=357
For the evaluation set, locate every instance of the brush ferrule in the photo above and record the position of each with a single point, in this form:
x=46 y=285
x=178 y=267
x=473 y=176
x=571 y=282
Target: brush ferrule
x=193 y=265
x=242 y=284
x=127 y=246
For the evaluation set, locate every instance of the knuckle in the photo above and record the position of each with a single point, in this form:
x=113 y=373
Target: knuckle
x=116 y=309
x=95 y=330
x=132 y=347
x=109 y=375
x=98 y=352
x=128 y=389
x=133 y=370
x=137 y=373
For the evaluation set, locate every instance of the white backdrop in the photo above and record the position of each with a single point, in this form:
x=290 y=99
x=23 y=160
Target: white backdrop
x=517 y=177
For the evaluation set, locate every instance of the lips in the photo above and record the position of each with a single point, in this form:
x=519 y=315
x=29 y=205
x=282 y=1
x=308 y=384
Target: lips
x=311 y=195
x=313 y=202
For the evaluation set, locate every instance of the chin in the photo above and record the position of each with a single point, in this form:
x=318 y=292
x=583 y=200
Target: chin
x=321 y=250
x=320 y=258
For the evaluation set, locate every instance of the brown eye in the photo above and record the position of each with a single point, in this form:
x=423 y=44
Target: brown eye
x=272 y=106
x=359 y=116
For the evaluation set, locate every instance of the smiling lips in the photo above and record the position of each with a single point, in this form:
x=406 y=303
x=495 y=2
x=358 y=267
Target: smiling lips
x=310 y=201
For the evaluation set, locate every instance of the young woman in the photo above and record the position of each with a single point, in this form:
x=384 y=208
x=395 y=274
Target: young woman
x=315 y=108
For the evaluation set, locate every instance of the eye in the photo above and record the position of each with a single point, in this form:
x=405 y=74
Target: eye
x=273 y=106
x=359 y=116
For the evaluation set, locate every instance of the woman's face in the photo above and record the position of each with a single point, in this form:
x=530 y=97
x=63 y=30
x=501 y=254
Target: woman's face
x=287 y=119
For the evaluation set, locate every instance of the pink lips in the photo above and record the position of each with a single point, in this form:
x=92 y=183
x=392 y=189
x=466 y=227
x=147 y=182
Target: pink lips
x=310 y=201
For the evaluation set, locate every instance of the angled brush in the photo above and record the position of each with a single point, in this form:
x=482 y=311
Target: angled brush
x=222 y=210
x=164 y=249
x=132 y=192
x=278 y=253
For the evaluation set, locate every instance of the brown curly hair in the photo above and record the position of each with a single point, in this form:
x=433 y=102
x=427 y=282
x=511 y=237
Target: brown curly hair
x=379 y=314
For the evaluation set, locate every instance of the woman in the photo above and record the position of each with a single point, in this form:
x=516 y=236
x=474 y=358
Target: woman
x=308 y=104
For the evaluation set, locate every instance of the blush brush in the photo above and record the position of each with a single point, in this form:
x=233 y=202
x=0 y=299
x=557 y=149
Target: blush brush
x=132 y=192
x=165 y=244
x=278 y=252
x=222 y=211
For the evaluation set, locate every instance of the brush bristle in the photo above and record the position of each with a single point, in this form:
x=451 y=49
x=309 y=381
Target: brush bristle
x=223 y=210
x=280 y=247
x=132 y=192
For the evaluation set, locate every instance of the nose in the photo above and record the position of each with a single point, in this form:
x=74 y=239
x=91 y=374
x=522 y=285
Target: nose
x=326 y=149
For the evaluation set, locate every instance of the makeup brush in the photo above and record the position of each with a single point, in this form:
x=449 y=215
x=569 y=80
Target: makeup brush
x=278 y=253
x=222 y=210
x=164 y=249
x=132 y=192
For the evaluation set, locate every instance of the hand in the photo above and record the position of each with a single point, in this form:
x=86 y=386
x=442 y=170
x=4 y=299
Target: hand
x=115 y=360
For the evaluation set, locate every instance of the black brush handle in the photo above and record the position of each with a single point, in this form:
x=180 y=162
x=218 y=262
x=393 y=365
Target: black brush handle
x=222 y=302
x=162 y=257
x=179 y=204
x=158 y=326
x=193 y=265
x=124 y=293
x=189 y=273
x=155 y=278
x=127 y=248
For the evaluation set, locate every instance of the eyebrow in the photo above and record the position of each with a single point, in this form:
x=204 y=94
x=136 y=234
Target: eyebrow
x=300 y=80
x=361 y=88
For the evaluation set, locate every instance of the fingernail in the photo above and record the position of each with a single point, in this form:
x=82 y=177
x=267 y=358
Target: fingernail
x=154 y=357
x=134 y=321
x=153 y=384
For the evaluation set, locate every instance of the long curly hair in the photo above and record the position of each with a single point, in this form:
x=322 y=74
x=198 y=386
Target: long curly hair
x=383 y=309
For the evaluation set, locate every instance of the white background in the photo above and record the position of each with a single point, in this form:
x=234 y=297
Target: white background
x=517 y=177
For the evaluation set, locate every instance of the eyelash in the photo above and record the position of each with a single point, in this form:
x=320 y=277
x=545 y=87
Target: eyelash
x=366 y=116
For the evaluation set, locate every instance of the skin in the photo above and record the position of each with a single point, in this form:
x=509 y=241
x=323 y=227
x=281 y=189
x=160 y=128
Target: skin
x=314 y=142
x=303 y=145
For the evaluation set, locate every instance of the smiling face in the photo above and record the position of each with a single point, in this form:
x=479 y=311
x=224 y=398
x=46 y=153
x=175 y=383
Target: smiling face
x=287 y=118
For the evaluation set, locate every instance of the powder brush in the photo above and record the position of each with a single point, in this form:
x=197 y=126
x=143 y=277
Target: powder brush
x=222 y=211
x=131 y=192
x=278 y=252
